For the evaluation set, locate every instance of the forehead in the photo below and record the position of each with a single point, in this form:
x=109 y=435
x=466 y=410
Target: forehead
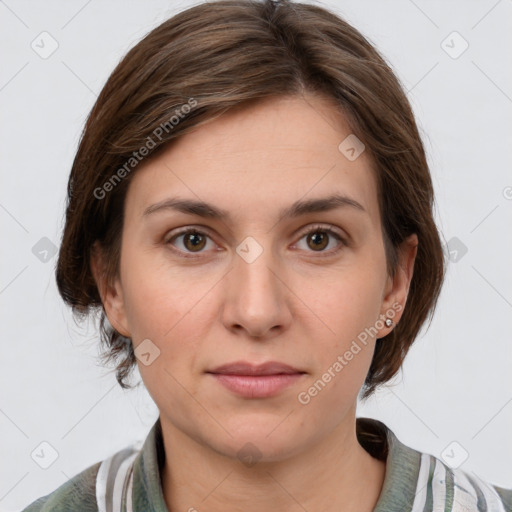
x=274 y=152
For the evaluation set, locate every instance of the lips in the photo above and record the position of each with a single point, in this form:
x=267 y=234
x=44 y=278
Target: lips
x=256 y=381
x=243 y=368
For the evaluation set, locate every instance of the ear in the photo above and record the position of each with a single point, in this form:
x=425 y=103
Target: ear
x=397 y=287
x=111 y=293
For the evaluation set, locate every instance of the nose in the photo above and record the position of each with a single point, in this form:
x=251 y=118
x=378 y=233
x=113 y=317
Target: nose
x=256 y=298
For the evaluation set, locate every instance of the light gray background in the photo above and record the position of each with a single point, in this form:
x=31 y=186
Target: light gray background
x=456 y=384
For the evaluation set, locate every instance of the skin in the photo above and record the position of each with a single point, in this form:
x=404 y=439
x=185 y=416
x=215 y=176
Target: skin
x=295 y=304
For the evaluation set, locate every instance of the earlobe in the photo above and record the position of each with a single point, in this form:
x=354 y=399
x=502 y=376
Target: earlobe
x=111 y=293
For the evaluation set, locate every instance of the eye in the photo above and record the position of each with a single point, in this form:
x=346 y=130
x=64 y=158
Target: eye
x=319 y=237
x=193 y=241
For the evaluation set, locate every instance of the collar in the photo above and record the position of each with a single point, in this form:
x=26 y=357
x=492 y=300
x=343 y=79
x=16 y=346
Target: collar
x=398 y=490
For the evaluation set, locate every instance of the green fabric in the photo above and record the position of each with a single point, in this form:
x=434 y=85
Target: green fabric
x=398 y=491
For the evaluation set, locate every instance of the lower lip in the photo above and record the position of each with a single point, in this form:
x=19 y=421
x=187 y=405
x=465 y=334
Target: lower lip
x=257 y=386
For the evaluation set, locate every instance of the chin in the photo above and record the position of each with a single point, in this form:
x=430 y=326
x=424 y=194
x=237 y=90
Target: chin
x=259 y=441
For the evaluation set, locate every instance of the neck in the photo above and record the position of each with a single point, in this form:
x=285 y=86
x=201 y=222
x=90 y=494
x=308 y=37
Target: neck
x=332 y=475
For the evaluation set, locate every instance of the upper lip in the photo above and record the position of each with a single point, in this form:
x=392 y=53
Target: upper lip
x=245 y=368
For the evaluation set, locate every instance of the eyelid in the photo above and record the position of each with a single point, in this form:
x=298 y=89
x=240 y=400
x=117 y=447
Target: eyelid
x=330 y=228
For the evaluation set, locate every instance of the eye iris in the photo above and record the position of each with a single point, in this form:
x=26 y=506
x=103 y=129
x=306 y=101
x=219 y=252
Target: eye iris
x=318 y=237
x=198 y=241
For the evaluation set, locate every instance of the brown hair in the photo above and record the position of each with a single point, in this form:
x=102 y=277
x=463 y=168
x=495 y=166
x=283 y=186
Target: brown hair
x=225 y=54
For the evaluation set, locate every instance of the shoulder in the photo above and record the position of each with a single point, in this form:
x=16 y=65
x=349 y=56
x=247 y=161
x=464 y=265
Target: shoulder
x=459 y=490
x=78 y=493
x=419 y=481
x=87 y=488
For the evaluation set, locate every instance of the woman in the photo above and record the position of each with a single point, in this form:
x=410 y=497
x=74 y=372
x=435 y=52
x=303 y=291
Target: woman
x=250 y=207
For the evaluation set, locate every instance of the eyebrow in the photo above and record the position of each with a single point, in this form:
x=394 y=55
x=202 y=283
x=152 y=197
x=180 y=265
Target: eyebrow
x=300 y=207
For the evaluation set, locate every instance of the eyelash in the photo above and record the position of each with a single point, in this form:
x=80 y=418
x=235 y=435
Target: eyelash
x=313 y=229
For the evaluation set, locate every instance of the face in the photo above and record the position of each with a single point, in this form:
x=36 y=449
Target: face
x=266 y=279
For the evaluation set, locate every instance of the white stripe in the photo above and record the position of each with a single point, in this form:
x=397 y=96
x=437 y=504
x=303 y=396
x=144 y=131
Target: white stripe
x=439 y=487
x=421 y=487
x=463 y=501
x=492 y=498
x=129 y=507
x=101 y=484
x=119 y=484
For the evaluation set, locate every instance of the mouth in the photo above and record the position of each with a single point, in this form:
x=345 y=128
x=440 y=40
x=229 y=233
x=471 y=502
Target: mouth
x=256 y=381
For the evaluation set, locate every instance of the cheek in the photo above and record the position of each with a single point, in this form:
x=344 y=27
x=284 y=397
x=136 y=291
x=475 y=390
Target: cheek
x=351 y=302
x=160 y=299
x=349 y=307
x=174 y=308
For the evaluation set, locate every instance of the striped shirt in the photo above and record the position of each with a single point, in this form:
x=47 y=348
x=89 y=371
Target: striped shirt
x=130 y=481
